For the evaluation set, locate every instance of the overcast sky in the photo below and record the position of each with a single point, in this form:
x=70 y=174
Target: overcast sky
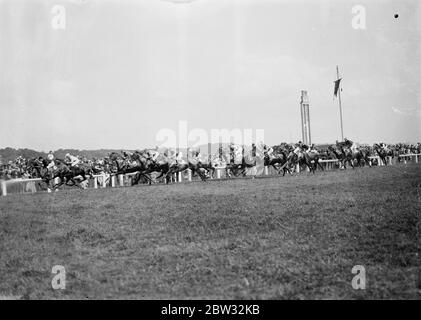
x=123 y=70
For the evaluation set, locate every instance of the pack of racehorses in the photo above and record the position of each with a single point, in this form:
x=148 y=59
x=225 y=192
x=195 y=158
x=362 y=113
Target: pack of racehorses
x=283 y=158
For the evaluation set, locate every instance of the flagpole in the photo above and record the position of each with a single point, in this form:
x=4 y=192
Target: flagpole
x=340 y=104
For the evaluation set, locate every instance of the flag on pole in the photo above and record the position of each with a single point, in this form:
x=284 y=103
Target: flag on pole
x=336 y=89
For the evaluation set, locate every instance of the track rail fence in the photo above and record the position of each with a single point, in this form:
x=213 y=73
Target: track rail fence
x=122 y=180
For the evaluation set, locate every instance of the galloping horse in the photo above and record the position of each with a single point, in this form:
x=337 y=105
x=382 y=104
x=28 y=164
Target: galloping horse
x=240 y=168
x=210 y=166
x=310 y=159
x=360 y=155
x=383 y=153
x=61 y=170
x=147 y=166
x=68 y=174
x=137 y=163
x=280 y=158
x=194 y=165
x=342 y=155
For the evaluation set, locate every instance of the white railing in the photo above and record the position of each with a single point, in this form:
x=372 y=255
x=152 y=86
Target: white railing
x=410 y=156
x=4 y=184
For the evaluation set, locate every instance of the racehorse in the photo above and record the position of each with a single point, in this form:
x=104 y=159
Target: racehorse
x=137 y=163
x=210 y=166
x=149 y=166
x=38 y=168
x=310 y=159
x=280 y=158
x=383 y=153
x=240 y=168
x=67 y=173
x=342 y=156
x=194 y=165
x=362 y=154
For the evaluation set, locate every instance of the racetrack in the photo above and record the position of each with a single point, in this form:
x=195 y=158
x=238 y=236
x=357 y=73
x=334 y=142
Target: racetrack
x=270 y=238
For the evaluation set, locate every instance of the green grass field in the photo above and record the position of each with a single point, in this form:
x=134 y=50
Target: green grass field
x=287 y=237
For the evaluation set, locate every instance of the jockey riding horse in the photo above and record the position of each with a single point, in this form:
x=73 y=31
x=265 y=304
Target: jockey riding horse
x=194 y=163
x=279 y=158
x=352 y=152
x=304 y=156
x=383 y=151
x=69 y=172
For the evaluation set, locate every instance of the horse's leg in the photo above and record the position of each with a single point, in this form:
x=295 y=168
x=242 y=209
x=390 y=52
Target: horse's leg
x=384 y=160
x=62 y=181
x=136 y=179
x=78 y=183
x=199 y=173
x=360 y=164
x=150 y=180
x=167 y=177
x=321 y=167
x=285 y=170
x=160 y=175
x=85 y=178
x=310 y=166
x=146 y=176
x=47 y=183
x=74 y=181
x=70 y=180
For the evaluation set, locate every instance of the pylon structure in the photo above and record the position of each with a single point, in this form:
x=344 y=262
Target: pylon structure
x=305 y=118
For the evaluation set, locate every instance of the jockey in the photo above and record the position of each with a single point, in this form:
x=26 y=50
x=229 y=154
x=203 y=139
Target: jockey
x=232 y=152
x=313 y=148
x=297 y=149
x=267 y=151
x=50 y=158
x=301 y=147
x=238 y=153
x=72 y=160
x=39 y=161
x=253 y=149
x=127 y=155
x=348 y=143
x=197 y=156
x=154 y=155
x=384 y=146
x=179 y=158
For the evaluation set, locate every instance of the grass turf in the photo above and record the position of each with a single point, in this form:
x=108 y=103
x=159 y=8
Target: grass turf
x=287 y=237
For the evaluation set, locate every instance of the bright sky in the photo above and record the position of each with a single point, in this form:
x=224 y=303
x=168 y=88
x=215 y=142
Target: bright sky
x=121 y=71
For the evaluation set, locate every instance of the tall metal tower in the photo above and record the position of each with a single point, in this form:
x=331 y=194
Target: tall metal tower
x=305 y=118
